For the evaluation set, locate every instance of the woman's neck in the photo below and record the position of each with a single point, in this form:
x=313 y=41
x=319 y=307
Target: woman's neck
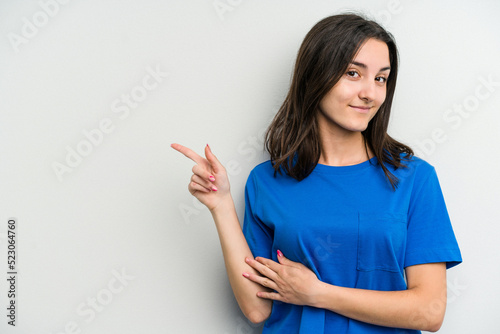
x=343 y=149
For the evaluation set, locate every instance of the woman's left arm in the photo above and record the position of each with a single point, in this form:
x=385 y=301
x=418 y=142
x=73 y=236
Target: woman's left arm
x=421 y=306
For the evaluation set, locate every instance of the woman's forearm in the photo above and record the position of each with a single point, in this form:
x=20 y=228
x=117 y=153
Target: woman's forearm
x=235 y=249
x=416 y=308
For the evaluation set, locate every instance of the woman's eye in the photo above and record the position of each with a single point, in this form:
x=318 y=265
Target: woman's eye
x=352 y=74
x=381 y=79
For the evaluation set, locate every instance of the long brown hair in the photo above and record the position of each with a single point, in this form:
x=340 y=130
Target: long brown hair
x=292 y=139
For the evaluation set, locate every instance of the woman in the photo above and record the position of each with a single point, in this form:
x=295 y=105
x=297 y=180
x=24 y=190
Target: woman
x=345 y=231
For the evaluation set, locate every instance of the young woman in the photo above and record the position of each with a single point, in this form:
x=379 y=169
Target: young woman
x=345 y=231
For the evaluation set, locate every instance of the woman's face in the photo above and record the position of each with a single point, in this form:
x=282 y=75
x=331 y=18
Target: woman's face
x=355 y=99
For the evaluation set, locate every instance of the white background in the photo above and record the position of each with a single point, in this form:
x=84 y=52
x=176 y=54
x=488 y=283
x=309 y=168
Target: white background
x=124 y=207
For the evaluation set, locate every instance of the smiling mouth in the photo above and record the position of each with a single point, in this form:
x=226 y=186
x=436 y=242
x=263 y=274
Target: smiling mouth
x=361 y=109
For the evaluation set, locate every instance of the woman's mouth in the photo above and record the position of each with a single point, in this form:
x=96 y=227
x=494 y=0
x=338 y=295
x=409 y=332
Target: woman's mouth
x=361 y=109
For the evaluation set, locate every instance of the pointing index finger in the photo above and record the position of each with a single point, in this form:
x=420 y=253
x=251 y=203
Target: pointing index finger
x=188 y=153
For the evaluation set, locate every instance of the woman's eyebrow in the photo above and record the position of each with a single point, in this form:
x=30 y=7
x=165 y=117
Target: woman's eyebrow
x=364 y=66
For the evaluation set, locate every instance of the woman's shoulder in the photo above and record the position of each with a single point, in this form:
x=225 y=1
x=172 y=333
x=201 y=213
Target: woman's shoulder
x=263 y=169
x=414 y=166
x=414 y=161
x=265 y=172
x=261 y=175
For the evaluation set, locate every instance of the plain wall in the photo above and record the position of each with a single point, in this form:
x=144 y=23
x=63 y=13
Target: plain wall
x=111 y=241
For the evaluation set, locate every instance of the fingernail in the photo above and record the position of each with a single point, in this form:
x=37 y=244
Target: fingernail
x=211 y=178
x=247 y=259
x=214 y=188
x=246 y=274
x=280 y=254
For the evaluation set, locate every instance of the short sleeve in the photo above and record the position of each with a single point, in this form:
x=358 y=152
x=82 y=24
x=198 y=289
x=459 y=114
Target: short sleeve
x=259 y=236
x=430 y=234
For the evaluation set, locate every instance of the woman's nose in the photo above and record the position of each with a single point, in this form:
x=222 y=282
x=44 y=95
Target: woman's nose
x=367 y=91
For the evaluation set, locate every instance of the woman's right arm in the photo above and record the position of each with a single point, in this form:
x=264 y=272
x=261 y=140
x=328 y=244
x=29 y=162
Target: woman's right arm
x=210 y=185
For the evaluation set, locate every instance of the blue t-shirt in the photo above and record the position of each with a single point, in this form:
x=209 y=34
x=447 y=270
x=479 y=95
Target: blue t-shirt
x=348 y=226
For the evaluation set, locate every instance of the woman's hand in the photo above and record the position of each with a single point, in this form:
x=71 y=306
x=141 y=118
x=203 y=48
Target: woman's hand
x=293 y=282
x=209 y=183
x=207 y=174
